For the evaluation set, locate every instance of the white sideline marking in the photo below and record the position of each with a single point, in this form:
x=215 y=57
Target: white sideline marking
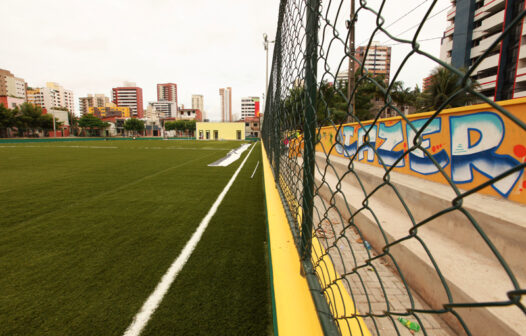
x=26 y=146
x=150 y=305
x=254 y=170
x=232 y=156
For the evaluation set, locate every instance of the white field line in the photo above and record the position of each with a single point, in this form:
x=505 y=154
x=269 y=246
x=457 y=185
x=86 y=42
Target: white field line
x=115 y=147
x=254 y=170
x=150 y=305
x=26 y=146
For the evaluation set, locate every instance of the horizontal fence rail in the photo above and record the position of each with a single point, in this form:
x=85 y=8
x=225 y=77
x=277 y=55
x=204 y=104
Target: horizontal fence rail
x=404 y=221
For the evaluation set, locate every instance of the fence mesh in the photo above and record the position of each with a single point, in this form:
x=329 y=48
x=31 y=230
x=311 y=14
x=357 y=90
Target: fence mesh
x=376 y=244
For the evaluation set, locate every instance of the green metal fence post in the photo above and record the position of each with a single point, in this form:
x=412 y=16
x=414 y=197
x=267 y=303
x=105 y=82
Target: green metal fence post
x=277 y=97
x=309 y=126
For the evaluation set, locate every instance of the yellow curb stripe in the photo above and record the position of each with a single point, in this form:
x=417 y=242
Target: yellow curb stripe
x=295 y=310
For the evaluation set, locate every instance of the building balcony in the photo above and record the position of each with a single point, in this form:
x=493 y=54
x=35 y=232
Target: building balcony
x=451 y=13
x=449 y=30
x=483 y=46
x=493 y=22
x=519 y=94
x=493 y=6
x=487 y=82
x=489 y=62
x=447 y=45
x=521 y=70
x=520 y=79
x=522 y=52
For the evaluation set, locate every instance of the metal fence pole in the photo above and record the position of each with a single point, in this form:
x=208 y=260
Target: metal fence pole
x=309 y=126
x=277 y=98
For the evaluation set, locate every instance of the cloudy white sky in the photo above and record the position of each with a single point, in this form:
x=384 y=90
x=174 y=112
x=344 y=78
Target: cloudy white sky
x=202 y=45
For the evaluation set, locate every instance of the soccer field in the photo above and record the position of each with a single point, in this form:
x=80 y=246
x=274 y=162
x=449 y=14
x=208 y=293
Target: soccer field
x=88 y=229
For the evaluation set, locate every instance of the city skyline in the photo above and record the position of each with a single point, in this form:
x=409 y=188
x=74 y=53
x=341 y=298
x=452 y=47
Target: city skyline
x=90 y=58
x=225 y=49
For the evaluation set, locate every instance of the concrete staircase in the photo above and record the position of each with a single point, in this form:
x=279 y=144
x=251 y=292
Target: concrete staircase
x=470 y=269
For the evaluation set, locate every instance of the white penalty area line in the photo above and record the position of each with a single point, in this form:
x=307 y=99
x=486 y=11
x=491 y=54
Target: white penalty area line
x=254 y=170
x=150 y=305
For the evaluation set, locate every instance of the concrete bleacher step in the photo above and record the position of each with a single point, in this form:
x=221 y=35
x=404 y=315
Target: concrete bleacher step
x=472 y=272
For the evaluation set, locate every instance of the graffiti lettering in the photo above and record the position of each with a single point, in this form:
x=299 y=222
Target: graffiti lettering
x=347 y=149
x=393 y=135
x=480 y=154
x=418 y=160
x=369 y=145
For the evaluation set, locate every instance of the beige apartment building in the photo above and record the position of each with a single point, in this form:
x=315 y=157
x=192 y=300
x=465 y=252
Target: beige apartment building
x=51 y=96
x=12 y=86
x=92 y=100
x=198 y=103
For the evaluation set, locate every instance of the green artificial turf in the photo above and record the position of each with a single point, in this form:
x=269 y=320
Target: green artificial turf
x=86 y=233
x=229 y=262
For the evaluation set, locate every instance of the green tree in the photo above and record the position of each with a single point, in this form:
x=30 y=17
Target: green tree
x=46 y=122
x=73 y=122
x=169 y=125
x=180 y=126
x=89 y=122
x=28 y=117
x=444 y=84
x=189 y=126
x=7 y=121
x=135 y=125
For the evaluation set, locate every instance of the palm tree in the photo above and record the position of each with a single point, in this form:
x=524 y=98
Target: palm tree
x=73 y=122
x=444 y=84
x=402 y=96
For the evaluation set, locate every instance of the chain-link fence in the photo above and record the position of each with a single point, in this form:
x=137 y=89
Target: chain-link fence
x=412 y=223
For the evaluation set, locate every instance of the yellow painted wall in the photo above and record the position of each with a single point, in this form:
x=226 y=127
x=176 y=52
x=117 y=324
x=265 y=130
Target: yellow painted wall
x=471 y=144
x=226 y=130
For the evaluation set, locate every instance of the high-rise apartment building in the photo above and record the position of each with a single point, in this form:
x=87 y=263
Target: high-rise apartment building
x=129 y=96
x=62 y=97
x=13 y=90
x=198 y=103
x=164 y=108
x=473 y=26
x=11 y=85
x=226 y=104
x=51 y=96
x=376 y=59
x=43 y=97
x=249 y=107
x=96 y=100
x=168 y=92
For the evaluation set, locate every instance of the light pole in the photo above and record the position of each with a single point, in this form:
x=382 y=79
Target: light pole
x=351 y=74
x=265 y=45
x=54 y=127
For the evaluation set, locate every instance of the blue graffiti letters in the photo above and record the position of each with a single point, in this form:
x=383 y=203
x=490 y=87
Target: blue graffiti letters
x=369 y=147
x=480 y=155
x=393 y=135
x=418 y=160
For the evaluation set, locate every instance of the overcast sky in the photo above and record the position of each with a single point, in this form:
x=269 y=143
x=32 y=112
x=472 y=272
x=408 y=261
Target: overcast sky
x=202 y=45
